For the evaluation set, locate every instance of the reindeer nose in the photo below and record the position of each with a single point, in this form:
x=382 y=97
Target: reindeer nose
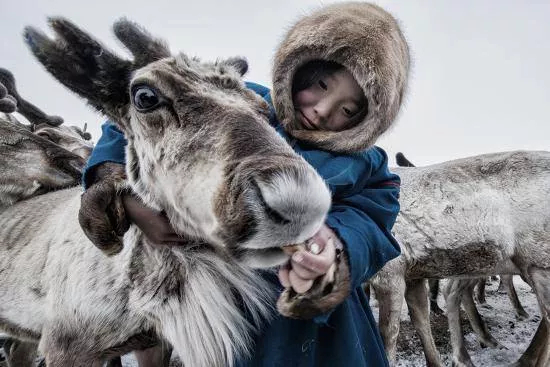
x=295 y=199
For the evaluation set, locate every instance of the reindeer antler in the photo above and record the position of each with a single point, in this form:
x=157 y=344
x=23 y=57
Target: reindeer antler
x=143 y=46
x=8 y=104
x=83 y=65
x=32 y=113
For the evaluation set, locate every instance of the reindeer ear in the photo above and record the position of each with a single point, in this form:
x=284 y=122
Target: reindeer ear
x=144 y=47
x=239 y=63
x=84 y=66
x=402 y=161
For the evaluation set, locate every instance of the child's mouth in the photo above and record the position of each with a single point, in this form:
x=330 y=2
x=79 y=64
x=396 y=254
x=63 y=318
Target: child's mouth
x=305 y=121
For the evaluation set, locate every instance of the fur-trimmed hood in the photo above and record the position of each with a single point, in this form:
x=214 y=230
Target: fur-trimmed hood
x=368 y=42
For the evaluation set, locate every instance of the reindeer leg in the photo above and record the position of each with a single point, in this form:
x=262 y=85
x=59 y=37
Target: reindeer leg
x=64 y=348
x=416 y=296
x=366 y=288
x=434 y=293
x=453 y=294
x=480 y=295
x=477 y=322
x=508 y=281
x=115 y=362
x=390 y=294
x=20 y=353
x=501 y=284
x=530 y=356
x=538 y=352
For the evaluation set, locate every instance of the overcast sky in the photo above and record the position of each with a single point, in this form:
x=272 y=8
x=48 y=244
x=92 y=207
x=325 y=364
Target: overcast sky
x=480 y=80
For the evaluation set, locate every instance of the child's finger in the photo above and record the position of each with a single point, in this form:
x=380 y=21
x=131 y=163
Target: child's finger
x=318 y=264
x=283 y=276
x=304 y=272
x=298 y=284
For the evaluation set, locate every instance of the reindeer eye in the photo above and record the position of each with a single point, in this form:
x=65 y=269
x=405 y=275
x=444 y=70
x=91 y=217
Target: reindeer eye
x=45 y=135
x=145 y=98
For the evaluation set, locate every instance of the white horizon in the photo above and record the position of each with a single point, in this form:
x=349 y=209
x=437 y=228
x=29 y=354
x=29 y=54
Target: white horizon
x=479 y=84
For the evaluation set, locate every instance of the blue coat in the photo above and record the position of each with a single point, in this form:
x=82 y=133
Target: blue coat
x=365 y=206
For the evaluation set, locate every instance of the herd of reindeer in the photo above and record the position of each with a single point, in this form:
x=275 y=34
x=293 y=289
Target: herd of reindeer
x=464 y=220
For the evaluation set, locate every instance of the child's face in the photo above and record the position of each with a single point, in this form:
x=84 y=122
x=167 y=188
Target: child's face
x=330 y=103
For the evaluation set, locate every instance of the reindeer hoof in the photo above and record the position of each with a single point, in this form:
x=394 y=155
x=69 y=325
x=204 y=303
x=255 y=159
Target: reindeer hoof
x=325 y=294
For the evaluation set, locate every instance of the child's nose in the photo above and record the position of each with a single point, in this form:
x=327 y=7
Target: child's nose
x=322 y=110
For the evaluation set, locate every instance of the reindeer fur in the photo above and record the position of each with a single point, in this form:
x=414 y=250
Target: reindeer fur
x=206 y=155
x=470 y=218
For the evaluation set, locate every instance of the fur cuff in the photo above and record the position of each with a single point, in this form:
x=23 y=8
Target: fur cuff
x=325 y=294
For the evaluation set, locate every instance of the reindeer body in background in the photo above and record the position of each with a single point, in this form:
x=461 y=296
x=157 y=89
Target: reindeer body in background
x=32 y=165
x=461 y=291
x=469 y=218
x=71 y=138
x=237 y=200
x=49 y=127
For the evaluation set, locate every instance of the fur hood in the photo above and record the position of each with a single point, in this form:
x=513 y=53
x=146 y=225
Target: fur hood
x=368 y=42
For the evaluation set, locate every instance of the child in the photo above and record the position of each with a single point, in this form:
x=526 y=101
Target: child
x=338 y=81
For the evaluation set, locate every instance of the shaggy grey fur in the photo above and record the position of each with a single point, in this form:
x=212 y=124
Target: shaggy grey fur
x=32 y=165
x=458 y=291
x=206 y=155
x=469 y=218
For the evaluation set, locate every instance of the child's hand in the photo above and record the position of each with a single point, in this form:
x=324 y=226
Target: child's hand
x=306 y=265
x=154 y=225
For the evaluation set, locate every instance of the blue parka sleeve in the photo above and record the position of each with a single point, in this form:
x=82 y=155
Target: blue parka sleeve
x=110 y=148
x=363 y=221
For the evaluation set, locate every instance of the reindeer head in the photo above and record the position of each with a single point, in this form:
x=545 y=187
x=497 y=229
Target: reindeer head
x=72 y=138
x=49 y=127
x=199 y=143
x=46 y=165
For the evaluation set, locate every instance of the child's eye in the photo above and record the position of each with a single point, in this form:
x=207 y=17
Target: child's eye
x=323 y=85
x=348 y=112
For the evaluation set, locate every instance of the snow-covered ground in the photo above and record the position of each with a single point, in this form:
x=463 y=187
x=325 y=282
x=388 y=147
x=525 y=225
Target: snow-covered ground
x=512 y=334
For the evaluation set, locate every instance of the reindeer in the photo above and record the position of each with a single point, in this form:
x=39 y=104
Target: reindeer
x=506 y=281
x=30 y=165
x=200 y=148
x=50 y=127
x=469 y=218
x=72 y=138
x=461 y=291
x=48 y=166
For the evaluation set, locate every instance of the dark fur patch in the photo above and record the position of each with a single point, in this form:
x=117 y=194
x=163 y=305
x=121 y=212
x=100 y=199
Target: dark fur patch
x=37 y=291
x=18 y=331
x=321 y=297
x=465 y=260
